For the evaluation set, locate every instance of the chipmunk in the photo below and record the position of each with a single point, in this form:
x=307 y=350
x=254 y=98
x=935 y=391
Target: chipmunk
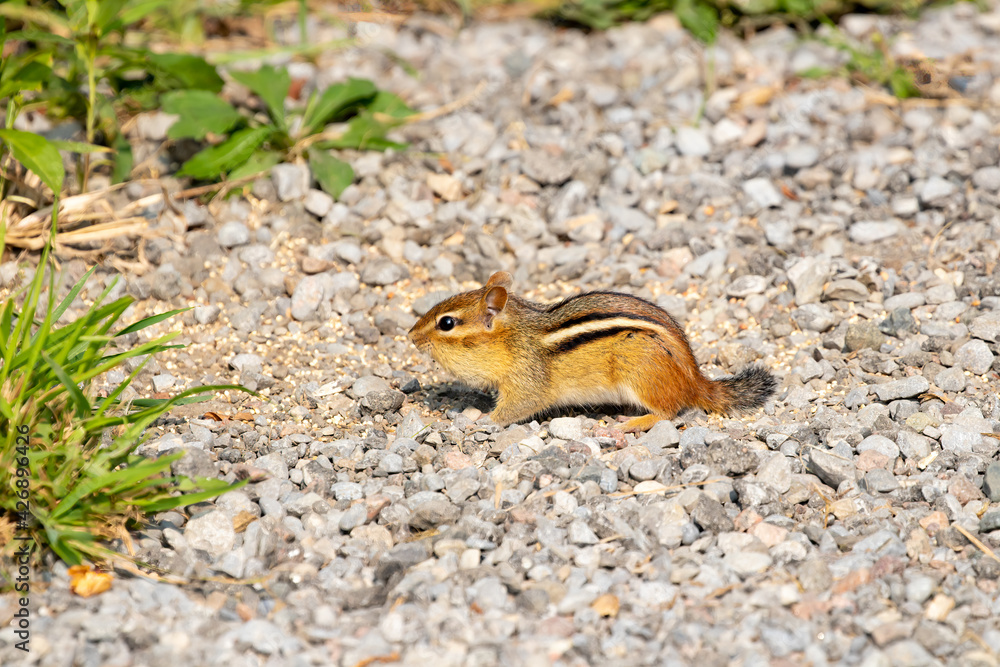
x=593 y=348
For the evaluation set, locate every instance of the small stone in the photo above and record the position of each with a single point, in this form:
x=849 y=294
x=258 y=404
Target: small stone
x=830 y=468
x=382 y=402
x=987 y=178
x=290 y=180
x=899 y=321
x=905 y=388
x=913 y=445
x=907 y=300
x=746 y=285
x=846 y=290
x=711 y=516
x=987 y=327
x=991 y=482
x=814 y=317
x=566 y=428
x=212 y=532
x=869 y=231
x=808 y=276
x=863 y=334
x=880 y=444
x=247 y=362
x=801 y=156
x=990 y=521
x=958 y=438
x=317 y=202
x=692 y=141
x=879 y=480
x=578 y=532
x=206 y=314
x=308 y=294
x=433 y=513
x=951 y=379
x=975 y=357
x=367 y=384
x=663 y=434
x=233 y=234
x=383 y=272
x=763 y=192
x=935 y=190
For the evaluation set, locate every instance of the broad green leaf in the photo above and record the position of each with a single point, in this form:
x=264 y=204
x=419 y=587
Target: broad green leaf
x=271 y=85
x=389 y=104
x=334 y=100
x=29 y=77
x=364 y=133
x=191 y=71
x=259 y=162
x=200 y=112
x=37 y=154
x=700 y=18
x=212 y=162
x=333 y=175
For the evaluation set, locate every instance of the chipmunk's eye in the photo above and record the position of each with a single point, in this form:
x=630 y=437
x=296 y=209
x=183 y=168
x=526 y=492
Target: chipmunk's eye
x=447 y=323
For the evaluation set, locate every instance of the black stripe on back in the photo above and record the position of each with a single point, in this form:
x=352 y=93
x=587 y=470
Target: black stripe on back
x=591 y=336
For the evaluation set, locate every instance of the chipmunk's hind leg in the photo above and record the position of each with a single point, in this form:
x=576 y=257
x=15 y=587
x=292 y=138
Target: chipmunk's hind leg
x=653 y=378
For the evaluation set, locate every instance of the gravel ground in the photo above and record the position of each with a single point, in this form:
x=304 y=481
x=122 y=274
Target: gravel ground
x=847 y=242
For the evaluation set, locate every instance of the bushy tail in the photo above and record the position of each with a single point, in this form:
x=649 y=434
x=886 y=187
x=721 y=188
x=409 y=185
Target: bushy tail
x=747 y=390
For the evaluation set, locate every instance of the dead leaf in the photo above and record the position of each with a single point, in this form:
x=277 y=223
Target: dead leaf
x=606 y=605
x=242 y=520
x=564 y=95
x=87 y=582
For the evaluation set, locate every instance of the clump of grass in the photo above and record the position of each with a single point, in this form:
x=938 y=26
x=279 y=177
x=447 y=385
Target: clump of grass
x=61 y=487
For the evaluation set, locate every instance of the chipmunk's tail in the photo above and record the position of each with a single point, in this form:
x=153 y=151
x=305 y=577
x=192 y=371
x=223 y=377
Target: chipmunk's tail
x=747 y=390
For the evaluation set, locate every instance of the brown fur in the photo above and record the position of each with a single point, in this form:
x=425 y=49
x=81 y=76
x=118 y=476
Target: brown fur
x=591 y=348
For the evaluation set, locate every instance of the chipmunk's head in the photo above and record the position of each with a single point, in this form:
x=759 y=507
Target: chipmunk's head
x=460 y=332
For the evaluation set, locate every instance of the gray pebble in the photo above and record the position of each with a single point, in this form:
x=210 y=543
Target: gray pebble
x=291 y=181
x=987 y=326
x=232 y=234
x=212 y=532
x=692 y=141
x=863 y=334
x=832 y=469
x=808 y=276
x=762 y=192
x=383 y=272
x=872 y=231
x=905 y=388
x=908 y=300
x=306 y=298
x=991 y=482
x=566 y=428
x=975 y=357
x=934 y=190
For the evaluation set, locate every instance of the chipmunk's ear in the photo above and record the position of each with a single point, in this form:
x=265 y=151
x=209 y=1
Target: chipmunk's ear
x=501 y=278
x=495 y=301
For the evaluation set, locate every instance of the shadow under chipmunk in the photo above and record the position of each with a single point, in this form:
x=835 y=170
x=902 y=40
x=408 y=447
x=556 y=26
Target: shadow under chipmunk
x=455 y=396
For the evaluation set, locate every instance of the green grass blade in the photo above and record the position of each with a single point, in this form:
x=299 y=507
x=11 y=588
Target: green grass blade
x=150 y=321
